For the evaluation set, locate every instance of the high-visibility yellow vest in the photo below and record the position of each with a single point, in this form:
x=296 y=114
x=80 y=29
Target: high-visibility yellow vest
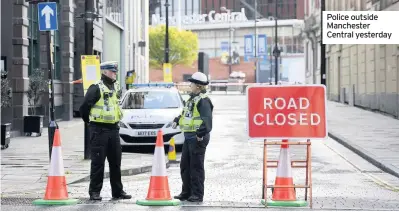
x=106 y=110
x=190 y=119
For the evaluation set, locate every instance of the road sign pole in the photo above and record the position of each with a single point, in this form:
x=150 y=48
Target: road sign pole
x=271 y=65
x=47 y=17
x=277 y=51
x=52 y=124
x=256 y=38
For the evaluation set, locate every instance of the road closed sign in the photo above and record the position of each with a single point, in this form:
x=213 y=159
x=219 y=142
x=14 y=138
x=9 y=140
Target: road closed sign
x=286 y=112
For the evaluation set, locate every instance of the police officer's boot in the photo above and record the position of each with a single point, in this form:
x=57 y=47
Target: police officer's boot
x=123 y=195
x=195 y=199
x=95 y=196
x=182 y=196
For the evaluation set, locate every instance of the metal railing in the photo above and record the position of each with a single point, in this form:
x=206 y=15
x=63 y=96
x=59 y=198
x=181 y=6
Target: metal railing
x=225 y=87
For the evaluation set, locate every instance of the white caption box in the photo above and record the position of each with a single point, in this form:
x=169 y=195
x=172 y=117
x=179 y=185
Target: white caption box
x=360 y=27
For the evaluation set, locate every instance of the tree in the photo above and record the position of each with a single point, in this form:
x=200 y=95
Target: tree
x=183 y=46
x=37 y=87
x=6 y=93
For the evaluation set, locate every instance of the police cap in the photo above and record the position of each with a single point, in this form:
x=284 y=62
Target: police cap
x=111 y=66
x=199 y=78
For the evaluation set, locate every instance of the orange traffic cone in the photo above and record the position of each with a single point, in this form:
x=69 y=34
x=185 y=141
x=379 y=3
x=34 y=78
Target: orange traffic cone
x=284 y=177
x=285 y=197
x=56 y=190
x=158 y=191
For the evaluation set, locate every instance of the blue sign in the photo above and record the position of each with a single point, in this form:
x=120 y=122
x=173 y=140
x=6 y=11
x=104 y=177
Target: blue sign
x=262 y=49
x=47 y=16
x=248 y=47
x=224 y=46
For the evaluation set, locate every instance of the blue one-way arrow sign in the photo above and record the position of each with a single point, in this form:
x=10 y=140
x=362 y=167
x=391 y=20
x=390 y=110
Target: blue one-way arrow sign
x=47 y=16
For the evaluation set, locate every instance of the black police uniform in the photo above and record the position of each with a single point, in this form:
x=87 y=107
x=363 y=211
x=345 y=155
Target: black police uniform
x=193 y=155
x=105 y=143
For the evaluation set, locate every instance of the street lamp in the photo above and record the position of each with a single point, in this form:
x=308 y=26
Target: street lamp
x=167 y=31
x=276 y=50
x=323 y=47
x=255 y=39
x=223 y=9
x=89 y=16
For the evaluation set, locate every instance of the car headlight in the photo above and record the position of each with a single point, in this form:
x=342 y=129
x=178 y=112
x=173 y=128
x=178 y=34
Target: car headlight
x=122 y=125
x=169 y=125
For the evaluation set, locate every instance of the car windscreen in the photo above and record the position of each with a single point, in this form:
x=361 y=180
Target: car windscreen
x=151 y=100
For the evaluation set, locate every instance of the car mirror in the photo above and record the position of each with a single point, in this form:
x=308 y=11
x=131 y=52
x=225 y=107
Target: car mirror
x=119 y=102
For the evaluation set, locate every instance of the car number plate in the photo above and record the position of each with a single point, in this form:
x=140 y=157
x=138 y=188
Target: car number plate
x=147 y=133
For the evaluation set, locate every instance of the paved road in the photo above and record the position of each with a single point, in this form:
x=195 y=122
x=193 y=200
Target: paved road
x=341 y=179
x=30 y=155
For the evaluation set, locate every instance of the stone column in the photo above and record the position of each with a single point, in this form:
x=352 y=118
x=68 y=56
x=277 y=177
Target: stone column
x=79 y=39
x=66 y=27
x=20 y=62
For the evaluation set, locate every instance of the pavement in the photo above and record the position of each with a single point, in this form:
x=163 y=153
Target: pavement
x=373 y=136
x=342 y=178
x=24 y=165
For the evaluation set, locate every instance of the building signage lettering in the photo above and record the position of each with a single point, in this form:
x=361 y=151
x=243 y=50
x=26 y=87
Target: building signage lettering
x=211 y=17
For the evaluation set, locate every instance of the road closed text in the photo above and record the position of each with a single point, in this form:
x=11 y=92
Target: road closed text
x=282 y=115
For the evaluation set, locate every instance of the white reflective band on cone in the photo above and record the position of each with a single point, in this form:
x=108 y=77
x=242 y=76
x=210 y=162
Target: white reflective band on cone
x=159 y=163
x=284 y=164
x=56 y=164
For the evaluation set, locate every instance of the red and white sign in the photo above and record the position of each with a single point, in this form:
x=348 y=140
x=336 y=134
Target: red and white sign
x=287 y=112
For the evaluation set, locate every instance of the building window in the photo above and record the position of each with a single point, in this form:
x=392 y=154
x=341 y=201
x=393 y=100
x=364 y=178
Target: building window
x=186 y=77
x=288 y=44
x=33 y=36
x=114 y=11
x=154 y=6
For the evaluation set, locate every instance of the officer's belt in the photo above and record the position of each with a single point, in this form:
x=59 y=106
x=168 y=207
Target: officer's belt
x=107 y=118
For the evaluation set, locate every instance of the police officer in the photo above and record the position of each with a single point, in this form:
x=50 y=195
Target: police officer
x=196 y=124
x=101 y=110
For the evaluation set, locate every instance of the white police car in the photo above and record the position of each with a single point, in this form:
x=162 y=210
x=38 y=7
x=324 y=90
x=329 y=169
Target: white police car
x=148 y=108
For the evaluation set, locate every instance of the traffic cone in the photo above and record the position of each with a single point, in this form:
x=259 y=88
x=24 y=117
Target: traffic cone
x=285 y=197
x=158 y=191
x=172 y=151
x=56 y=190
x=284 y=177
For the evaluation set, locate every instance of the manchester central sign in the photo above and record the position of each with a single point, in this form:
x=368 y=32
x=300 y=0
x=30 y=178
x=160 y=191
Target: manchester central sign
x=211 y=17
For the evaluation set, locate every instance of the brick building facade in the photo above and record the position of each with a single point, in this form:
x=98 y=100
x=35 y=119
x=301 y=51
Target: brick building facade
x=217 y=70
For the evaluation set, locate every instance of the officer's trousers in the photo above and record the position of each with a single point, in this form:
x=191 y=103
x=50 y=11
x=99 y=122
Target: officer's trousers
x=105 y=143
x=192 y=165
